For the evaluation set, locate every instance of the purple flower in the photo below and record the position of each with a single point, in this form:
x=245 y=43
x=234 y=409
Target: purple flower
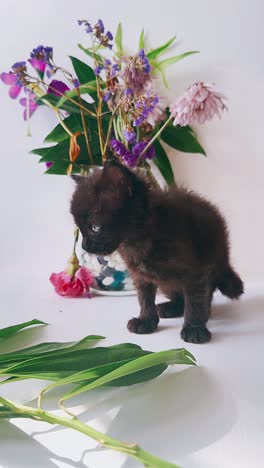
x=144 y=105
x=57 y=87
x=129 y=134
x=40 y=57
x=88 y=27
x=118 y=147
x=136 y=74
x=76 y=83
x=128 y=92
x=109 y=35
x=20 y=71
x=100 y=25
x=107 y=96
x=98 y=69
x=49 y=164
x=200 y=102
x=10 y=79
x=139 y=147
x=30 y=102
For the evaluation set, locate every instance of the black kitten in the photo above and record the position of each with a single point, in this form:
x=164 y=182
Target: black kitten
x=173 y=240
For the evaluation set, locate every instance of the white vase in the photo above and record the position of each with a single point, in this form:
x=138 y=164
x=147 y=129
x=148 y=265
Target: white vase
x=111 y=274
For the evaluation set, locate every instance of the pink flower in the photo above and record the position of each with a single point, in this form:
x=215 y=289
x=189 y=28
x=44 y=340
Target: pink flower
x=72 y=286
x=199 y=103
x=10 y=79
x=31 y=104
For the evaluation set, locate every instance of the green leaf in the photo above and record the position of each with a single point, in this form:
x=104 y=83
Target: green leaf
x=118 y=40
x=9 y=331
x=141 y=44
x=83 y=71
x=173 y=356
x=47 y=349
x=57 y=367
x=182 y=139
x=98 y=57
x=160 y=50
x=40 y=151
x=60 y=152
x=171 y=60
x=58 y=134
x=162 y=162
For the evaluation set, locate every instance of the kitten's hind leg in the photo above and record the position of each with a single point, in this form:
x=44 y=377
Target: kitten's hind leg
x=198 y=297
x=173 y=308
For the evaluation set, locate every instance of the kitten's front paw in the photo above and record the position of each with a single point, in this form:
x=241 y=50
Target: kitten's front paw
x=195 y=334
x=138 y=325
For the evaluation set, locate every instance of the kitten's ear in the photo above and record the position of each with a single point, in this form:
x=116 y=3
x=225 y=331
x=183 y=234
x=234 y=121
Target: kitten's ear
x=117 y=173
x=77 y=178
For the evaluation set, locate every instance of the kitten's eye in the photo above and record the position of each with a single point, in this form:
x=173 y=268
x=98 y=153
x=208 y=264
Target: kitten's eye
x=95 y=228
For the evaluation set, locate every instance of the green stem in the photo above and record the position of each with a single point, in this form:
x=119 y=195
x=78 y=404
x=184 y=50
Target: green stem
x=133 y=450
x=85 y=129
x=155 y=137
x=76 y=237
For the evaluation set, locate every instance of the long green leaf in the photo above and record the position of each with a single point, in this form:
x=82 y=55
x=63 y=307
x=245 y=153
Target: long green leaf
x=160 y=50
x=118 y=40
x=83 y=71
x=58 y=134
x=141 y=43
x=47 y=349
x=163 y=163
x=60 y=152
x=62 y=365
x=173 y=356
x=182 y=139
x=171 y=60
x=9 y=331
x=40 y=151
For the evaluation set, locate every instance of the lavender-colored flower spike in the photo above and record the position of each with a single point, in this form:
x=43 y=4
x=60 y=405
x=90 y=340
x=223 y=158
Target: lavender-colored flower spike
x=136 y=73
x=100 y=25
x=199 y=103
x=129 y=135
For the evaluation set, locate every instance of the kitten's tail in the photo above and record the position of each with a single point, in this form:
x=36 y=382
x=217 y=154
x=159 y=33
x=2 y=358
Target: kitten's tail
x=230 y=284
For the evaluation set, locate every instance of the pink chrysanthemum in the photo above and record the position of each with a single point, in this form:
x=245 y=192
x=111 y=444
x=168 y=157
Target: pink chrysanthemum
x=199 y=103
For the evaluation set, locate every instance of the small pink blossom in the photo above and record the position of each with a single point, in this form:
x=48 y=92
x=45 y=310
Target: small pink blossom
x=72 y=286
x=32 y=105
x=199 y=103
x=10 y=79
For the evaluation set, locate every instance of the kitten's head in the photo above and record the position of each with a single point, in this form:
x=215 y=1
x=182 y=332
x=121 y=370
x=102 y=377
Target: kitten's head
x=103 y=205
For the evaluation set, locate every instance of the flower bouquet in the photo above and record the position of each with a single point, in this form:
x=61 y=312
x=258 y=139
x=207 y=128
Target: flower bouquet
x=108 y=106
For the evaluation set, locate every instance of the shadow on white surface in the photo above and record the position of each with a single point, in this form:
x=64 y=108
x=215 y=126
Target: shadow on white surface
x=27 y=452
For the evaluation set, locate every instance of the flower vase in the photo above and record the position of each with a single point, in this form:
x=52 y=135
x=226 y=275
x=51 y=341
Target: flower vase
x=111 y=275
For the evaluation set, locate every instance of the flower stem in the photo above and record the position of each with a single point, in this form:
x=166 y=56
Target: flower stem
x=85 y=129
x=146 y=458
x=155 y=137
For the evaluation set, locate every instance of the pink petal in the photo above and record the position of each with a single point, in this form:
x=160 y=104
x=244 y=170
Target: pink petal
x=8 y=78
x=85 y=276
x=14 y=91
x=38 y=64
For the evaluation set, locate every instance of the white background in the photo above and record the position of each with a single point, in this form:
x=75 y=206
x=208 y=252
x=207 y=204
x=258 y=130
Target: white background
x=221 y=426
